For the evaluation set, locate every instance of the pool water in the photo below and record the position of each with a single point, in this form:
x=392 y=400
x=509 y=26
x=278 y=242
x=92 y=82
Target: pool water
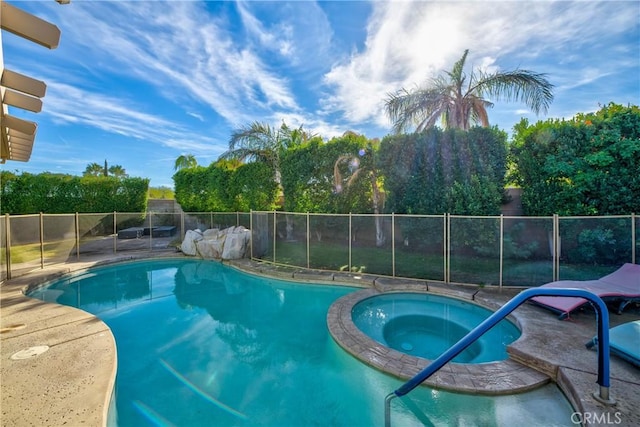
x=426 y=325
x=201 y=344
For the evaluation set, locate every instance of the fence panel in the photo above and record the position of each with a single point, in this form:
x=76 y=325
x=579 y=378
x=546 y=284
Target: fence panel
x=527 y=251
x=3 y=250
x=262 y=235
x=592 y=247
x=224 y=220
x=131 y=233
x=165 y=230
x=95 y=232
x=24 y=239
x=198 y=221
x=291 y=239
x=244 y=219
x=329 y=242
x=419 y=247
x=636 y=253
x=59 y=238
x=474 y=250
x=371 y=249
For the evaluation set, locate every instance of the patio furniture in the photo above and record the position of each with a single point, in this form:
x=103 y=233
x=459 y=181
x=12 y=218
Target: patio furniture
x=624 y=341
x=131 y=233
x=622 y=286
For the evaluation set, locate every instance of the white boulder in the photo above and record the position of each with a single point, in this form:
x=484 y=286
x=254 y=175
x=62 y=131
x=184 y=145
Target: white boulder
x=188 y=245
x=236 y=244
x=230 y=243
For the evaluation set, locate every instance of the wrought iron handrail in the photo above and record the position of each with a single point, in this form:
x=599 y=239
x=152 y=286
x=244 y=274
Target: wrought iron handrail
x=603 y=343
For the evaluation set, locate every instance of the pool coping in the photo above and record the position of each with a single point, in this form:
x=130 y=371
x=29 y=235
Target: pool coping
x=44 y=391
x=490 y=378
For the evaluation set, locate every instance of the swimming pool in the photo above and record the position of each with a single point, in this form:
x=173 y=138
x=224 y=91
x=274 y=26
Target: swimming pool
x=426 y=325
x=200 y=343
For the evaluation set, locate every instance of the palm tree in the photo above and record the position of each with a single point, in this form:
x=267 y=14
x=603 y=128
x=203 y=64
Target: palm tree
x=377 y=198
x=118 y=171
x=263 y=143
x=260 y=142
x=185 y=161
x=461 y=103
x=93 y=169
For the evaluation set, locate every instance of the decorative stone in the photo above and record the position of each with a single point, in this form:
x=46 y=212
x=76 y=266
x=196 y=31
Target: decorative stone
x=188 y=246
x=230 y=243
x=211 y=247
x=236 y=244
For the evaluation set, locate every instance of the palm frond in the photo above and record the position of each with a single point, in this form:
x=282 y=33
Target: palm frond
x=445 y=97
x=479 y=111
x=532 y=89
x=457 y=72
x=419 y=108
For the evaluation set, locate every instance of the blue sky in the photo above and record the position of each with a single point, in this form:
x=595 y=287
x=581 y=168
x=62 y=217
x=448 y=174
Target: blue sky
x=141 y=82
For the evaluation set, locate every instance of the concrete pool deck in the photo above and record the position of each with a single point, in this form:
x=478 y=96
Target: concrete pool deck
x=72 y=382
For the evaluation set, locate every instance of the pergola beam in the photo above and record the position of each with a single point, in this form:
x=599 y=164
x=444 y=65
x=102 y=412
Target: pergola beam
x=21 y=83
x=17 y=90
x=29 y=27
x=20 y=125
x=20 y=100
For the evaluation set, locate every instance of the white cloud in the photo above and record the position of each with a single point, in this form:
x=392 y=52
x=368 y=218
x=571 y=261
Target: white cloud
x=195 y=115
x=71 y=105
x=278 y=39
x=407 y=42
x=180 y=48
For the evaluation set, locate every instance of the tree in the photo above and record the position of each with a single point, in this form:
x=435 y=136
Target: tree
x=118 y=171
x=185 y=161
x=356 y=168
x=93 y=169
x=461 y=103
x=584 y=166
x=262 y=143
x=444 y=171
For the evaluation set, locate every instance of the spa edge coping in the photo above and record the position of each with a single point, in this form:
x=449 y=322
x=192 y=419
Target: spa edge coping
x=87 y=397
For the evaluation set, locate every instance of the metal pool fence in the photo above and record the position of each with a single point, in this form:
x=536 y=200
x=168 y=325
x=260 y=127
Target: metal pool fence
x=481 y=250
x=29 y=242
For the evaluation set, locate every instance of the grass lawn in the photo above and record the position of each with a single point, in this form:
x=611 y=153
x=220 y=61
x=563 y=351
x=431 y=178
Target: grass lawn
x=416 y=264
x=31 y=252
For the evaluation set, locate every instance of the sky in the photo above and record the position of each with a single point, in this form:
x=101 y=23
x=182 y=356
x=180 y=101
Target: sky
x=139 y=83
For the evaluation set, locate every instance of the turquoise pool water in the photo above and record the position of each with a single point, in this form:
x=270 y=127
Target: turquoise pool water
x=426 y=325
x=200 y=344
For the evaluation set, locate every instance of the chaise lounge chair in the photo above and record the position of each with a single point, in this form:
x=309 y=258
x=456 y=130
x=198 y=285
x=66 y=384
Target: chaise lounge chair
x=624 y=341
x=623 y=286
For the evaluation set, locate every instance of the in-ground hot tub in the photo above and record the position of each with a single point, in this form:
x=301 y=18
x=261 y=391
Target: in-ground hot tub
x=426 y=325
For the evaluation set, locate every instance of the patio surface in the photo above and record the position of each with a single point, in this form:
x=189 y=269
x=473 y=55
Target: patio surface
x=72 y=382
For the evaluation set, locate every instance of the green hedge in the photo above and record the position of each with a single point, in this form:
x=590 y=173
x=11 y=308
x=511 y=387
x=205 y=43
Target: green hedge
x=453 y=171
x=308 y=175
x=589 y=165
x=225 y=187
x=56 y=193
